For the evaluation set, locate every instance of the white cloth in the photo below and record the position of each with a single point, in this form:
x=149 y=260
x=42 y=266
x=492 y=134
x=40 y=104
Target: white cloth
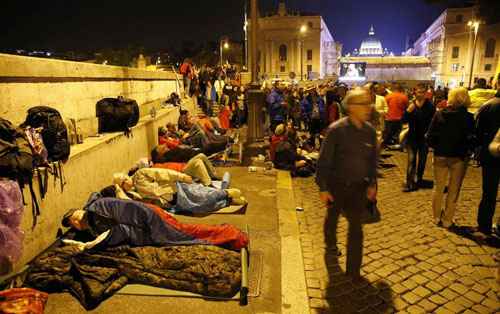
x=82 y=246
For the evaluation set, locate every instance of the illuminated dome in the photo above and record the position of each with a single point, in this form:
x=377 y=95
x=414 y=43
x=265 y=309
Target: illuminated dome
x=371 y=46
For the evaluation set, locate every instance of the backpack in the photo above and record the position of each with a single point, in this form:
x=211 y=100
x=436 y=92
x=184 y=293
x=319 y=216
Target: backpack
x=40 y=153
x=16 y=160
x=54 y=131
x=117 y=114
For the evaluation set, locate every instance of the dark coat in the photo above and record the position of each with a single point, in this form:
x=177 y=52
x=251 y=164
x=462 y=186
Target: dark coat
x=487 y=125
x=418 y=122
x=451 y=132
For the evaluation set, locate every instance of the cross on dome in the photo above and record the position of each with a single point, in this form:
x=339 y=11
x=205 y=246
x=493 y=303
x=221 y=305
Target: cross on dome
x=372 y=31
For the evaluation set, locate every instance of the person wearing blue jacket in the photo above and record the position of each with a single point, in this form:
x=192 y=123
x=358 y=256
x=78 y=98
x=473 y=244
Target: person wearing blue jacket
x=118 y=222
x=276 y=109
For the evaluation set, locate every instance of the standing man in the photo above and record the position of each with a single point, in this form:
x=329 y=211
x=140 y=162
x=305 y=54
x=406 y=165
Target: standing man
x=487 y=125
x=396 y=105
x=347 y=174
x=276 y=110
x=186 y=70
x=418 y=116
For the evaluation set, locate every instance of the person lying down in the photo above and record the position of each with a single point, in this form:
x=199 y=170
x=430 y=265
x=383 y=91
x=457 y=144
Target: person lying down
x=115 y=222
x=160 y=186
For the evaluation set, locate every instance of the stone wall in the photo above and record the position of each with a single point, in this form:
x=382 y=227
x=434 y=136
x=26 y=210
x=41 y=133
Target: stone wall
x=73 y=88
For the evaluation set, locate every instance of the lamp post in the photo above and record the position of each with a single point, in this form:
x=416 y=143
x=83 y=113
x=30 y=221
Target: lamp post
x=475 y=26
x=223 y=45
x=303 y=30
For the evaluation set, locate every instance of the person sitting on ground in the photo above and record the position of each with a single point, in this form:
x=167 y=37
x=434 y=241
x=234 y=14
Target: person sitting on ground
x=173 y=132
x=164 y=138
x=278 y=137
x=114 y=222
x=287 y=158
x=184 y=122
x=203 y=136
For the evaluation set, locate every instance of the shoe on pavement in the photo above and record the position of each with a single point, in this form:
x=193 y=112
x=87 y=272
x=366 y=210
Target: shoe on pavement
x=407 y=189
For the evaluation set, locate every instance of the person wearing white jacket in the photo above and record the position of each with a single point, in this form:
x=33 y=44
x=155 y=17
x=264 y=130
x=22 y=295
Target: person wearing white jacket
x=219 y=88
x=152 y=183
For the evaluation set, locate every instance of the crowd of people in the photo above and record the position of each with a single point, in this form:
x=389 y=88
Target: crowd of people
x=352 y=126
x=217 y=91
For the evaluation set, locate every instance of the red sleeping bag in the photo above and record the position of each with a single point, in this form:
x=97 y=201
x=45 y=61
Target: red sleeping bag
x=221 y=235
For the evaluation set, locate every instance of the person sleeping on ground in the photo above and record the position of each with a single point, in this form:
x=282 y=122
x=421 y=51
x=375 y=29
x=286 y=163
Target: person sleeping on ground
x=114 y=222
x=181 y=153
x=154 y=184
x=159 y=186
x=198 y=167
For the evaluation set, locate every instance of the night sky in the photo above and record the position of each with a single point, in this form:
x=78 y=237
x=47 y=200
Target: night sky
x=88 y=25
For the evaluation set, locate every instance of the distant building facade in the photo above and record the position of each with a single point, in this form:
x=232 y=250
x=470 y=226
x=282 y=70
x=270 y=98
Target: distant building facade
x=383 y=66
x=448 y=43
x=284 y=49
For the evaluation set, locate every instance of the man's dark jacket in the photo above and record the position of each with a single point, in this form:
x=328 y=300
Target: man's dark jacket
x=418 y=122
x=487 y=124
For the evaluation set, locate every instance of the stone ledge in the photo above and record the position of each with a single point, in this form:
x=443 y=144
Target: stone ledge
x=12 y=66
x=91 y=143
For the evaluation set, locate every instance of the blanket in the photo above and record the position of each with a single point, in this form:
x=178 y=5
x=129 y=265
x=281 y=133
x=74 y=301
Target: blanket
x=93 y=276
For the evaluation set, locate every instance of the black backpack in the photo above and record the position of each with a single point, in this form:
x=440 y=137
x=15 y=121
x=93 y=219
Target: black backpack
x=117 y=114
x=54 y=131
x=16 y=160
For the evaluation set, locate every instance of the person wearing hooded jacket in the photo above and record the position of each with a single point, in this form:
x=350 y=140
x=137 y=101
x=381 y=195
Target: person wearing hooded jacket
x=451 y=135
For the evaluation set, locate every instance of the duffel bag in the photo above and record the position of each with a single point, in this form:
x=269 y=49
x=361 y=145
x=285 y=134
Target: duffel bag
x=116 y=114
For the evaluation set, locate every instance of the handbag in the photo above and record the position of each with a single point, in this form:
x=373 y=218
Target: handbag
x=372 y=214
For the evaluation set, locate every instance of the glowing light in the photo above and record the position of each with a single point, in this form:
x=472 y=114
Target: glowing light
x=303 y=29
x=226 y=45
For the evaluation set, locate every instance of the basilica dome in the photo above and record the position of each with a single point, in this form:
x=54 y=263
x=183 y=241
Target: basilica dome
x=371 y=46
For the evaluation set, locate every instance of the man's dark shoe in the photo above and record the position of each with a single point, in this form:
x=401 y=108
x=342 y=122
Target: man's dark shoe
x=484 y=231
x=333 y=248
x=425 y=184
x=409 y=188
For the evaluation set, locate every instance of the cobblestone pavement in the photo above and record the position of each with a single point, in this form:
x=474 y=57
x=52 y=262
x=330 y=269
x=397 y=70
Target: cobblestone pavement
x=409 y=264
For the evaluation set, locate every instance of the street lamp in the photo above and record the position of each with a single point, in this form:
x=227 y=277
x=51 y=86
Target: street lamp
x=223 y=45
x=474 y=25
x=303 y=31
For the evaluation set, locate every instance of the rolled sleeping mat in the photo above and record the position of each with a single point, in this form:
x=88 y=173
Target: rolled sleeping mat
x=226 y=181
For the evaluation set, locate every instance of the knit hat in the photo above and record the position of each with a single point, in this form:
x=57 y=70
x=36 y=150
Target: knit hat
x=65 y=221
x=280 y=130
